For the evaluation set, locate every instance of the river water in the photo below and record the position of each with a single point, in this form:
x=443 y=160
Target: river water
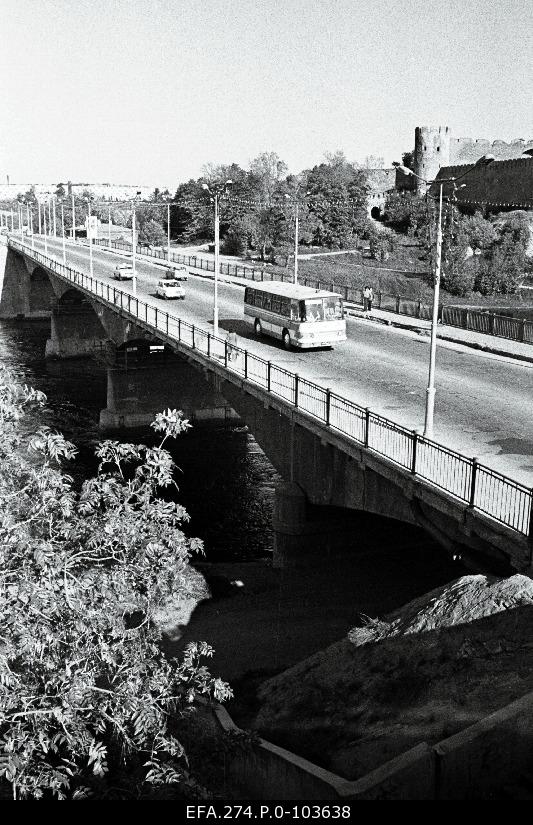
x=226 y=484
x=225 y=481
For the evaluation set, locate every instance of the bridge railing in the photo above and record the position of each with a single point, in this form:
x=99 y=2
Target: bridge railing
x=488 y=323
x=477 y=486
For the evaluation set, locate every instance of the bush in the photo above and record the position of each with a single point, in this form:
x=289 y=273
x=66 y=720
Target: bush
x=89 y=705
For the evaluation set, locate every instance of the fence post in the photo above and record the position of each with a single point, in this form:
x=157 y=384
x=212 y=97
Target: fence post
x=328 y=406
x=209 y=345
x=492 y=322
x=345 y=293
x=225 y=353
x=268 y=376
x=167 y=323
x=246 y=363
x=415 y=446
x=419 y=309
x=398 y=304
x=156 y=317
x=379 y=299
x=179 y=329
x=530 y=530
x=473 y=483
x=521 y=331
x=367 y=426
x=193 y=342
x=296 y=387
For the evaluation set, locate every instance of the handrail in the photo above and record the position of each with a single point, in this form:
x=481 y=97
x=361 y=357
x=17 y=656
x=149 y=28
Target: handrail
x=479 y=487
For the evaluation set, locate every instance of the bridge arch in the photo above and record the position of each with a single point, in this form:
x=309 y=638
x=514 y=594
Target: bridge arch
x=41 y=294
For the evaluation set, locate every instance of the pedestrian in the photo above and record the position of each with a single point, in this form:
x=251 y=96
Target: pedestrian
x=368 y=297
x=233 y=343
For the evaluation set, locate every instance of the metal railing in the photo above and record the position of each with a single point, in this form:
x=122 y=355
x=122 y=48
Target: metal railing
x=477 y=486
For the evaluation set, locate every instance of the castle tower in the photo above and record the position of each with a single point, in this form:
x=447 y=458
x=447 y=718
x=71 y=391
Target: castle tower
x=432 y=150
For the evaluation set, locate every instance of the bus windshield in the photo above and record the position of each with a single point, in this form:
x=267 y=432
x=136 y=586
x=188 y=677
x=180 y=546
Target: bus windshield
x=321 y=309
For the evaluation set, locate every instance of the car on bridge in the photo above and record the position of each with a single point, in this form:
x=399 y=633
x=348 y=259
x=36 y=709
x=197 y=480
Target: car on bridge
x=178 y=272
x=170 y=289
x=123 y=272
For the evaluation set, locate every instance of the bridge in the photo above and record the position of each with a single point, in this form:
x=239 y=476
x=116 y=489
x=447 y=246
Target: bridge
x=335 y=455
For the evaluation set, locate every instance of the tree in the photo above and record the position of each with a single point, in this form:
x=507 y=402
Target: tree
x=88 y=701
x=152 y=232
x=267 y=171
x=337 y=200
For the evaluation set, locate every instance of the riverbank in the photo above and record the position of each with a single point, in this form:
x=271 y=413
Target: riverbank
x=280 y=616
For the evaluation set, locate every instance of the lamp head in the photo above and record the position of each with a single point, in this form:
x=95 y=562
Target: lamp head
x=485 y=160
x=205 y=186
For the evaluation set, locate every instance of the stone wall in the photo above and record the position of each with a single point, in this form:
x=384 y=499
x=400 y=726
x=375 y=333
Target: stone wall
x=503 y=184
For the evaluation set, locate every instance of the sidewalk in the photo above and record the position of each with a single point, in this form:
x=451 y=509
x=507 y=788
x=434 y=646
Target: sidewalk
x=466 y=337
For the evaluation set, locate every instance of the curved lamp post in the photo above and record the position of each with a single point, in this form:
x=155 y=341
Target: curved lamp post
x=430 y=392
x=216 y=190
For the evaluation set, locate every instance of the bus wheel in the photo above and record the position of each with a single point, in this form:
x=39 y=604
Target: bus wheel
x=257 y=327
x=286 y=338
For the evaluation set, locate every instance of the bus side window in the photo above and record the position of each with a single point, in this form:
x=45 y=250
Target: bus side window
x=248 y=295
x=285 y=307
x=267 y=301
x=258 y=299
x=276 y=304
x=295 y=311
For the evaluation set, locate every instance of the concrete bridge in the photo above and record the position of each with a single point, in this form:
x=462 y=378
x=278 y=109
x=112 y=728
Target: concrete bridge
x=335 y=456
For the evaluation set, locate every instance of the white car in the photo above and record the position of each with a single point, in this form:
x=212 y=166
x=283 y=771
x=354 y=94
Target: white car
x=178 y=272
x=170 y=289
x=123 y=272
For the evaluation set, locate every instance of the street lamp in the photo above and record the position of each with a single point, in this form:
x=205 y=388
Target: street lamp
x=90 y=235
x=168 y=233
x=44 y=228
x=296 y=233
x=63 y=231
x=134 y=242
x=216 y=190
x=430 y=392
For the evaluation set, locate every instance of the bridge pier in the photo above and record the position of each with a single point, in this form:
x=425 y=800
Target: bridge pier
x=76 y=332
x=25 y=290
x=136 y=391
x=305 y=533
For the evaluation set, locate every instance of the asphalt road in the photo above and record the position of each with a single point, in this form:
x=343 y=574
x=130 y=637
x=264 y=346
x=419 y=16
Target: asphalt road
x=483 y=404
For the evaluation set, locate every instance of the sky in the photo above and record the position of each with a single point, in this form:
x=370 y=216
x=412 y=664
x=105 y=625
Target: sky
x=148 y=91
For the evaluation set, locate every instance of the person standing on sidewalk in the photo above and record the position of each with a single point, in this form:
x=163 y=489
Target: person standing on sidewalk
x=368 y=297
x=233 y=343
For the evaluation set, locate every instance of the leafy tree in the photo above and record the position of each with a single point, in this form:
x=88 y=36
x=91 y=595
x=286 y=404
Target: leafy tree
x=480 y=232
x=338 y=194
x=267 y=171
x=88 y=702
x=152 y=232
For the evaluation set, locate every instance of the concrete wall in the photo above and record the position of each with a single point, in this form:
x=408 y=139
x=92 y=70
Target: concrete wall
x=137 y=392
x=476 y=763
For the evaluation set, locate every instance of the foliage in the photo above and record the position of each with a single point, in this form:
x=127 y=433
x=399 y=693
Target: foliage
x=88 y=702
x=382 y=241
x=152 y=232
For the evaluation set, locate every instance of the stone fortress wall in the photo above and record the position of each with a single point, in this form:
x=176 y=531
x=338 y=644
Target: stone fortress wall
x=505 y=183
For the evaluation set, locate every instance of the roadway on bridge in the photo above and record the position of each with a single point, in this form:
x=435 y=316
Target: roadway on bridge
x=483 y=401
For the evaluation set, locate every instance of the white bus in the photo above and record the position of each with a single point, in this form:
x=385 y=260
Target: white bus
x=300 y=316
